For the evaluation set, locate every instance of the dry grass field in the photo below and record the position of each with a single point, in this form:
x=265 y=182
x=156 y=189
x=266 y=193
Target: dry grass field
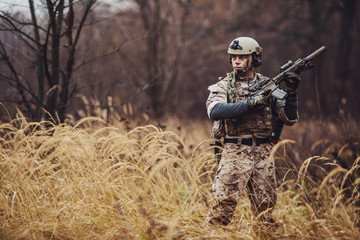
x=98 y=180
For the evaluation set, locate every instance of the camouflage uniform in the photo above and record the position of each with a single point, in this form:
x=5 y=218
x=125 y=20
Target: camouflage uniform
x=245 y=164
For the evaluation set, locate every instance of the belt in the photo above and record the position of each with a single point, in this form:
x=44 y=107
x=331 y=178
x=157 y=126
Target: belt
x=247 y=141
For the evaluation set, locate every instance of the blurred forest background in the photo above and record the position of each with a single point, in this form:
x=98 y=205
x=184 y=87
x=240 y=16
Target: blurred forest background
x=156 y=58
x=133 y=63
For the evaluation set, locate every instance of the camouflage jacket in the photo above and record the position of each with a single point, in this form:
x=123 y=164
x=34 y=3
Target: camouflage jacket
x=258 y=123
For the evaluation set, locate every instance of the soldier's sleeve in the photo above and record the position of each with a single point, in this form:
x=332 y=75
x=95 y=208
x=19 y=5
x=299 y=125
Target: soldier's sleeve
x=218 y=94
x=287 y=110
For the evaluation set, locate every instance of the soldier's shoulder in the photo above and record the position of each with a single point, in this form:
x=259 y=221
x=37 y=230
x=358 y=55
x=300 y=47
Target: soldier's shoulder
x=226 y=78
x=221 y=85
x=260 y=76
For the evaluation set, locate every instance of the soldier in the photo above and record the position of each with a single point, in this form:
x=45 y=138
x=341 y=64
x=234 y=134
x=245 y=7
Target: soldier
x=245 y=124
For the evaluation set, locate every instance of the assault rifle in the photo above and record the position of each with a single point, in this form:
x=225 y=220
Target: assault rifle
x=269 y=86
x=272 y=86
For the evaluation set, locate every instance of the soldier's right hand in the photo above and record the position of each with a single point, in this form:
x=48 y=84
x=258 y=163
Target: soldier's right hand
x=258 y=100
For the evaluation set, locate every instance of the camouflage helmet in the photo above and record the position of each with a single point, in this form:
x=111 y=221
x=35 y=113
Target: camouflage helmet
x=244 y=46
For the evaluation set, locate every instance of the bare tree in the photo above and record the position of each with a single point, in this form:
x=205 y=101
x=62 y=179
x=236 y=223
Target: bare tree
x=41 y=41
x=162 y=49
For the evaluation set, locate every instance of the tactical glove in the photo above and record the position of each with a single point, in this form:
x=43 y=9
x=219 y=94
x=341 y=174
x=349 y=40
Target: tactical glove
x=257 y=101
x=291 y=83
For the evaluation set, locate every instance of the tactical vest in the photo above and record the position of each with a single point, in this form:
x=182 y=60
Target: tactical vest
x=257 y=122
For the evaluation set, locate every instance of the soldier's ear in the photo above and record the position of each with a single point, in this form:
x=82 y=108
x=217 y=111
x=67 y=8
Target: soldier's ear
x=256 y=62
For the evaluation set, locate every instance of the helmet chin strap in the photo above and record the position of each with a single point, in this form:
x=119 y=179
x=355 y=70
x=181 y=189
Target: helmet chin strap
x=242 y=72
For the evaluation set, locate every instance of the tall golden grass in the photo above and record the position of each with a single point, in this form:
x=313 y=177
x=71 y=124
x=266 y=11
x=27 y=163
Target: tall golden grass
x=96 y=180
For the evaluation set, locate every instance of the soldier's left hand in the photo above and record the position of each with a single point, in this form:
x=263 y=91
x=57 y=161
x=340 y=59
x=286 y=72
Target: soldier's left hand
x=291 y=83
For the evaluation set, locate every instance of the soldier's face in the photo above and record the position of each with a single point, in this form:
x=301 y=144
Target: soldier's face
x=240 y=62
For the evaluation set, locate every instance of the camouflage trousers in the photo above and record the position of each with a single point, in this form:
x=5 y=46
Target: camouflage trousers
x=243 y=167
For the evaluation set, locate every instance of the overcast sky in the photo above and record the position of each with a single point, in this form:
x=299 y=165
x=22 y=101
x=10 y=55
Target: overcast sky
x=23 y=5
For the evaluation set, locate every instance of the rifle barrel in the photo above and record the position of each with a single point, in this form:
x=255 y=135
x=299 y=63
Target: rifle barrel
x=316 y=53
